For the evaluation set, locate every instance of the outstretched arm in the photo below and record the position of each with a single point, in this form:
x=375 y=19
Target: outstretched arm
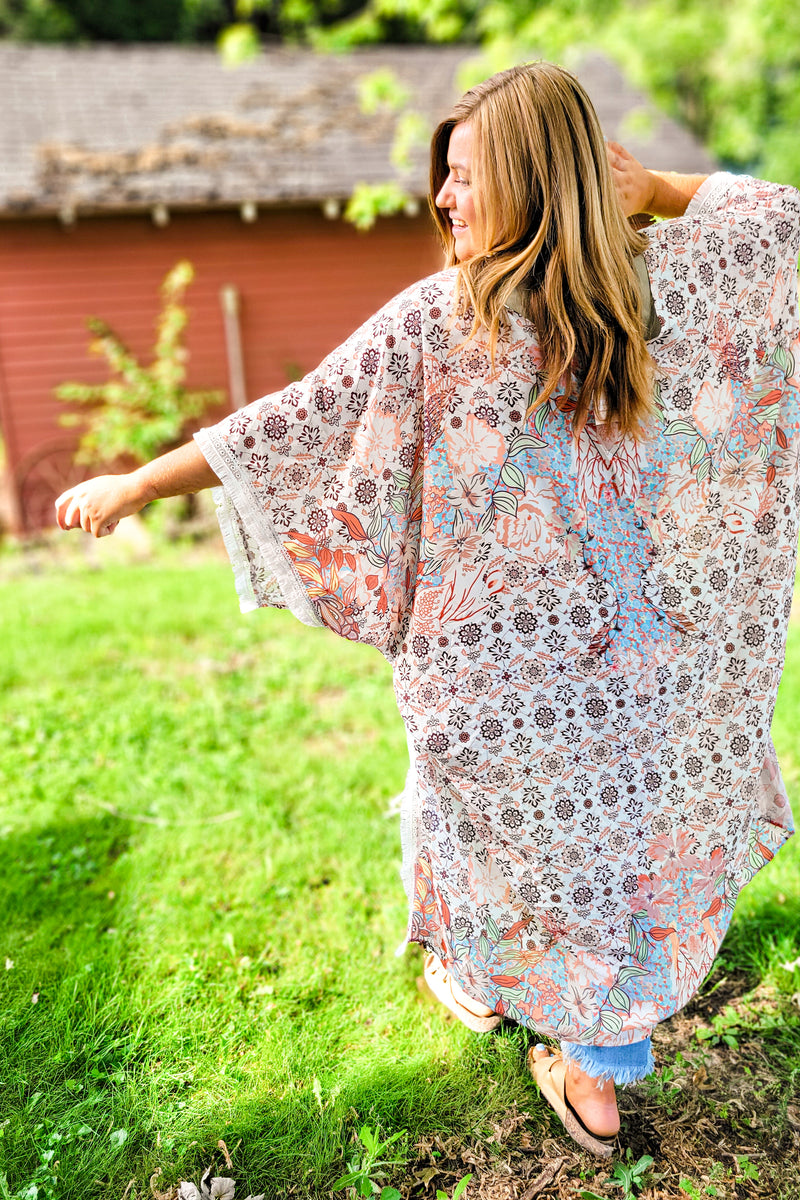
x=99 y=504
x=660 y=193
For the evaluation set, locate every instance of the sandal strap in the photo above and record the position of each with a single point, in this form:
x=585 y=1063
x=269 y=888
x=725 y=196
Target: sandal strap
x=598 y=1137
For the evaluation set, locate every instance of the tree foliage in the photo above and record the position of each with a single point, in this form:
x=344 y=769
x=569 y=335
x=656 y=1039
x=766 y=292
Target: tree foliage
x=729 y=71
x=168 y=20
x=140 y=411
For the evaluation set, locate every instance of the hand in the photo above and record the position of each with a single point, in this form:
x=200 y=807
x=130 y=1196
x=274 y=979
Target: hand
x=635 y=185
x=99 y=504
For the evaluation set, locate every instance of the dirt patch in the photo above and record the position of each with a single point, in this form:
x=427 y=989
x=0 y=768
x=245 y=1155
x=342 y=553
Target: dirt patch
x=720 y=1119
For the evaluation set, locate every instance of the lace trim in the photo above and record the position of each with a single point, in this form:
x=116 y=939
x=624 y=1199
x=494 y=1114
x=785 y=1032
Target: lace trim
x=705 y=201
x=409 y=806
x=236 y=498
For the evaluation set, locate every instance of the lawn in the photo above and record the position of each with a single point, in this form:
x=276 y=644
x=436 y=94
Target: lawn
x=201 y=905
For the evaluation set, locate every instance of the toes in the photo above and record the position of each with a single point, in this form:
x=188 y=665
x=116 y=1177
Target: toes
x=540 y=1052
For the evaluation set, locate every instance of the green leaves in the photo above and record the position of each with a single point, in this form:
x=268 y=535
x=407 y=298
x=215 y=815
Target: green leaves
x=637 y=941
x=238 y=44
x=630 y=1177
x=492 y=930
x=458 y=1190
x=362 y=1175
x=511 y=475
x=619 y=999
x=610 y=1021
x=523 y=442
x=631 y=972
x=680 y=426
x=784 y=359
x=139 y=411
x=381 y=91
x=372 y=200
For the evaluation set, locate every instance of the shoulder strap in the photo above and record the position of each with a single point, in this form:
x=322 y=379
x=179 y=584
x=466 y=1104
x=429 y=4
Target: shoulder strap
x=652 y=324
x=650 y=321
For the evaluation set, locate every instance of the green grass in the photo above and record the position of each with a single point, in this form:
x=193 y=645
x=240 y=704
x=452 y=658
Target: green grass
x=201 y=901
x=202 y=889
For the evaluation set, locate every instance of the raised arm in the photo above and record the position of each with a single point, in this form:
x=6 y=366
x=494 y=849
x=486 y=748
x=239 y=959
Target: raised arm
x=659 y=193
x=99 y=504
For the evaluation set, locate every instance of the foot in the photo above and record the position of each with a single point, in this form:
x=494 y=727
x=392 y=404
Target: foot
x=596 y=1105
x=473 y=1006
x=470 y=1012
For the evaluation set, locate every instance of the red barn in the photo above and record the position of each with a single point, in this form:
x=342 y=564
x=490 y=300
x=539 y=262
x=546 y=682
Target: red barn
x=116 y=162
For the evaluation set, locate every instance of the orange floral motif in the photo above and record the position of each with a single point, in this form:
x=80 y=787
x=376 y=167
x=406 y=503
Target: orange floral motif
x=473 y=446
x=536 y=523
x=377 y=441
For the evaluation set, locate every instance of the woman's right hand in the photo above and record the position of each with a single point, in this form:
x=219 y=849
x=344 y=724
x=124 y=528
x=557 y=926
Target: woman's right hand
x=639 y=191
x=634 y=183
x=99 y=504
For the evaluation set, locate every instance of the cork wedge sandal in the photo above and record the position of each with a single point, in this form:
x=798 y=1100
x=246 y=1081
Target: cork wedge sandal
x=555 y=1093
x=440 y=982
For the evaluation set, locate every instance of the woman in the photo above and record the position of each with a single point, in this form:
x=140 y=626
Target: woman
x=575 y=546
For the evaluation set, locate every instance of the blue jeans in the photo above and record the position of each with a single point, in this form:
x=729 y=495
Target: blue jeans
x=623 y=1064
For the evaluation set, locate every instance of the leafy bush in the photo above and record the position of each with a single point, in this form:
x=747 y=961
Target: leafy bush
x=140 y=411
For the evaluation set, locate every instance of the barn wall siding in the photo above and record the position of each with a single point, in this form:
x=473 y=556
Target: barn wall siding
x=305 y=283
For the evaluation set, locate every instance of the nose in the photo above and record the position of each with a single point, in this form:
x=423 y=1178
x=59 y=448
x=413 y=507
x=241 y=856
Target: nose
x=446 y=196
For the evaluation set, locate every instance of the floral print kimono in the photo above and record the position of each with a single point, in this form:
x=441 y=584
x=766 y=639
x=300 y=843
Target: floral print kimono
x=586 y=635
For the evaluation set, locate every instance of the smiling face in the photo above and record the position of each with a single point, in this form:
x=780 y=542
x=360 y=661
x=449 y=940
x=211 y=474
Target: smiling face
x=455 y=196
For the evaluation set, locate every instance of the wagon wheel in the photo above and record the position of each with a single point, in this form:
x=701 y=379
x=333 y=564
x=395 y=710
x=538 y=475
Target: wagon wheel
x=41 y=478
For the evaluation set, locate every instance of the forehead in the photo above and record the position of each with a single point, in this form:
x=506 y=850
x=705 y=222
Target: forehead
x=459 y=150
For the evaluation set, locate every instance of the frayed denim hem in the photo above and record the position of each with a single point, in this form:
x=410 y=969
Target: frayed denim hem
x=623 y=1064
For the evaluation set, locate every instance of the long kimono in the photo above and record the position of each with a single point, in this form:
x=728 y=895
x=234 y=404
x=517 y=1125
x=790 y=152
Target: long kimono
x=586 y=634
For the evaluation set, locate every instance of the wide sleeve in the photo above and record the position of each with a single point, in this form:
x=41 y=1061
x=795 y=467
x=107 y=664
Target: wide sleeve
x=760 y=226
x=320 y=499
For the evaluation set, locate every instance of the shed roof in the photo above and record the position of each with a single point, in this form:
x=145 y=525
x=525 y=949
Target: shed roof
x=121 y=128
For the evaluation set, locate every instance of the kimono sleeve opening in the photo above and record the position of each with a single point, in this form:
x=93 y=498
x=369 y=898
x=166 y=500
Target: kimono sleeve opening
x=762 y=208
x=320 y=504
x=263 y=573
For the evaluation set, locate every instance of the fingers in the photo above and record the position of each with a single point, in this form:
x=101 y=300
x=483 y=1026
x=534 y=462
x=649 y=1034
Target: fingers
x=633 y=184
x=622 y=157
x=90 y=506
x=67 y=512
x=615 y=155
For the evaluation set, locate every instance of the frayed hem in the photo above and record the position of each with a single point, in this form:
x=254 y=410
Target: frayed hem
x=590 y=1059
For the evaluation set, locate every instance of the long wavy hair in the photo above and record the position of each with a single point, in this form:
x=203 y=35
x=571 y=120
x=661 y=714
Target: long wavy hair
x=550 y=225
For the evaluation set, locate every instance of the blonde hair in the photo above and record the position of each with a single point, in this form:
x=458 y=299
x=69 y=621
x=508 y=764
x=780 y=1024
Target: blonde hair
x=549 y=223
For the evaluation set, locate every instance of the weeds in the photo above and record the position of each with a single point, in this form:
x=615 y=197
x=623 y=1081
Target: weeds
x=630 y=1175
x=660 y=1086
x=366 y=1169
x=726 y=1029
x=458 y=1190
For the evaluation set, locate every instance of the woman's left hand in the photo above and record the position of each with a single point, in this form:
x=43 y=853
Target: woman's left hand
x=635 y=185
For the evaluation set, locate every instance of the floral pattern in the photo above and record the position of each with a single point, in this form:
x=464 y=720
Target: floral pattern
x=586 y=635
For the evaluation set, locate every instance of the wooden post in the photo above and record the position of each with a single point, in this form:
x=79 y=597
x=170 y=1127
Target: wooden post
x=229 y=299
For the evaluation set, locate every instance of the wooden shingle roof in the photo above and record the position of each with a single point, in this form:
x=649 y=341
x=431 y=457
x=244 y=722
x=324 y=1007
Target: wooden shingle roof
x=124 y=128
